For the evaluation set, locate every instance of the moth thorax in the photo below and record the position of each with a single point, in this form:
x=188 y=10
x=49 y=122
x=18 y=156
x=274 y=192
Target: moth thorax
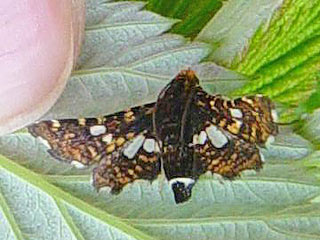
x=189 y=79
x=182 y=188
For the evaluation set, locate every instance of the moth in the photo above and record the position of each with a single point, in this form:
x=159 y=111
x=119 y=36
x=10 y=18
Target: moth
x=182 y=135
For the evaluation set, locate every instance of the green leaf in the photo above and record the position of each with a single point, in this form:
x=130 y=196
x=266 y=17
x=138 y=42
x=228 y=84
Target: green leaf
x=193 y=14
x=310 y=127
x=230 y=31
x=33 y=208
x=288 y=146
x=313 y=164
x=275 y=42
x=310 y=104
x=285 y=54
x=258 y=206
x=127 y=58
x=126 y=61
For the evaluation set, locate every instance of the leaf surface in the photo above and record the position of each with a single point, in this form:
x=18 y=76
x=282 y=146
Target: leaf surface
x=127 y=58
x=33 y=208
x=193 y=14
x=126 y=61
x=275 y=42
x=231 y=38
x=277 y=197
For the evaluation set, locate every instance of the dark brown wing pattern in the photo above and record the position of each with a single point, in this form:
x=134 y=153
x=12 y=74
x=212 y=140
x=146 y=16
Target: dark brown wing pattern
x=189 y=130
x=225 y=154
x=251 y=118
x=122 y=145
x=230 y=130
x=138 y=159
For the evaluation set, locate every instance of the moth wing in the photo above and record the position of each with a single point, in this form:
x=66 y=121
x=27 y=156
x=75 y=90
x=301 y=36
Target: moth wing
x=138 y=159
x=87 y=141
x=223 y=153
x=251 y=118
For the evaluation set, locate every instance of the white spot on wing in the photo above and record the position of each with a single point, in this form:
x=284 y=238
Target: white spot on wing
x=217 y=138
x=97 y=130
x=107 y=138
x=134 y=146
x=186 y=181
x=78 y=165
x=235 y=112
x=202 y=138
x=274 y=115
x=149 y=145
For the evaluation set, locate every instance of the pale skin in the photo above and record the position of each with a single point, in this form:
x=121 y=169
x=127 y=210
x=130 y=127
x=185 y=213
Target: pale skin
x=40 y=40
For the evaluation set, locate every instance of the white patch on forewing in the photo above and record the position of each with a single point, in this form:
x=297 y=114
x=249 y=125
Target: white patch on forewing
x=236 y=113
x=134 y=146
x=97 y=130
x=149 y=145
x=107 y=138
x=217 y=138
x=274 y=115
x=78 y=165
x=186 y=181
x=44 y=142
x=202 y=138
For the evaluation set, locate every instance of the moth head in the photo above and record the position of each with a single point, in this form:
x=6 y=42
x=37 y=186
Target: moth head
x=188 y=78
x=182 y=188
